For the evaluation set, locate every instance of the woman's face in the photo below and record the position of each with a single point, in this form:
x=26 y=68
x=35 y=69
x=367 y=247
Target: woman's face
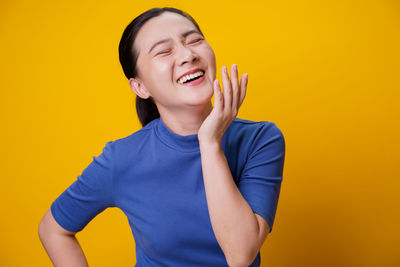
x=169 y=46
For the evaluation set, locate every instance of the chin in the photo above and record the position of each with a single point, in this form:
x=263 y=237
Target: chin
x=200 y=97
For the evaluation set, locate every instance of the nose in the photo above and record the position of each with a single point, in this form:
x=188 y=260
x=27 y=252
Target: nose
x=187 y=55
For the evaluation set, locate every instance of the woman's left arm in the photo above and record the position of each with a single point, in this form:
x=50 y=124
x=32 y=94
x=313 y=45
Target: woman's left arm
x=239 y=231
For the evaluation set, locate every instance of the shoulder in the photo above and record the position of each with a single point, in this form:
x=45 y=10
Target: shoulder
x=133 y=140
x=254 y=135
x=254 y=128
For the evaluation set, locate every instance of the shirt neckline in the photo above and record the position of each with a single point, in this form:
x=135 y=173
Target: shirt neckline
x=184 y=143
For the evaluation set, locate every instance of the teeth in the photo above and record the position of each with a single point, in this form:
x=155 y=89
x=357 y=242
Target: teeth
x=190 y=76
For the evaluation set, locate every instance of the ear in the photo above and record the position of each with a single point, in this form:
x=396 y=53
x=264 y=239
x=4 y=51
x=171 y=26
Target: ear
x=139 y=88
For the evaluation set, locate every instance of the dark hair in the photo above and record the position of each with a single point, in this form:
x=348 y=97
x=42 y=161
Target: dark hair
x=146 y=108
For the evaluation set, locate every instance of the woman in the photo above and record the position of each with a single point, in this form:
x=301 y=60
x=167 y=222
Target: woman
x=199 y=186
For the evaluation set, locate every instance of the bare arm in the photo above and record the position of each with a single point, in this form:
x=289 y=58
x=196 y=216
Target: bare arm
x=236 y=227
x=239 y=231
x=61 y=245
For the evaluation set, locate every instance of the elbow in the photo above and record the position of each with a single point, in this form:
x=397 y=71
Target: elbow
x=239 y=264
x=246 y=256
x=243 y=261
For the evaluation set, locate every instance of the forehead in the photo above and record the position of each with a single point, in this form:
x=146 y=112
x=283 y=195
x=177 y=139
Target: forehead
x=166 y=25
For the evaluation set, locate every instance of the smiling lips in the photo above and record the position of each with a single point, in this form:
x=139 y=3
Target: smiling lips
x=194 y=82
x=191 y=77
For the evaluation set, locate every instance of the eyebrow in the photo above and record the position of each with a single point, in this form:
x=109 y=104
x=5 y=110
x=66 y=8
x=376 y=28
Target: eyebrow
x=184 y=35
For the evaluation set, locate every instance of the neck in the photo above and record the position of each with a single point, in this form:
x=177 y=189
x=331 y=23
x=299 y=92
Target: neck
x=185 y=122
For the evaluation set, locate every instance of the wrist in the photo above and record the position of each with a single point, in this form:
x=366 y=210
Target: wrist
x=210 y=144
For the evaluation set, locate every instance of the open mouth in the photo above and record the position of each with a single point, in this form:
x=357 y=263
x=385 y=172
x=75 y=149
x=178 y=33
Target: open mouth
x=191 y=77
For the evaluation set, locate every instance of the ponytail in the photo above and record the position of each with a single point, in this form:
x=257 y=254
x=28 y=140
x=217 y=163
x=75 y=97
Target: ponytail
x=146 y=110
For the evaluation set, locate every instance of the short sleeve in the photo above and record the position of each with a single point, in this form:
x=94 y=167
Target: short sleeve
x=261 y=178
x=88 y=195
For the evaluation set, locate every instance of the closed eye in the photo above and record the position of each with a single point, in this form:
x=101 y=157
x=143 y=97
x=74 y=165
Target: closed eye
x=196 y=40
x=164 y=52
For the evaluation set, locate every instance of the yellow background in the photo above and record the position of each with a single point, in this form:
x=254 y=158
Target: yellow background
x=326 y=72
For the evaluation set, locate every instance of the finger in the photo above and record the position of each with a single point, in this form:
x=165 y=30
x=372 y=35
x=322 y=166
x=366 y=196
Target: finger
x=227 y=92
x=218 y=97
x=243 y=88
x=235 y=88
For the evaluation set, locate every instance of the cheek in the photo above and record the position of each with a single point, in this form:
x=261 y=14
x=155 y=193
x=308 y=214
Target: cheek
x=158 y=72
x=208 y=53
x=159 y=69
x=210 y=57
x=161 y=76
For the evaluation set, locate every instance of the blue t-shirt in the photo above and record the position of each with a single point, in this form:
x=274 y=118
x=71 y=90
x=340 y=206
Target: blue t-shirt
x=155 y=177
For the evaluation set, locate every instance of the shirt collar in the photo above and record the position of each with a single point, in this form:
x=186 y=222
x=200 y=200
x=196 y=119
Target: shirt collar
x=184 y=143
